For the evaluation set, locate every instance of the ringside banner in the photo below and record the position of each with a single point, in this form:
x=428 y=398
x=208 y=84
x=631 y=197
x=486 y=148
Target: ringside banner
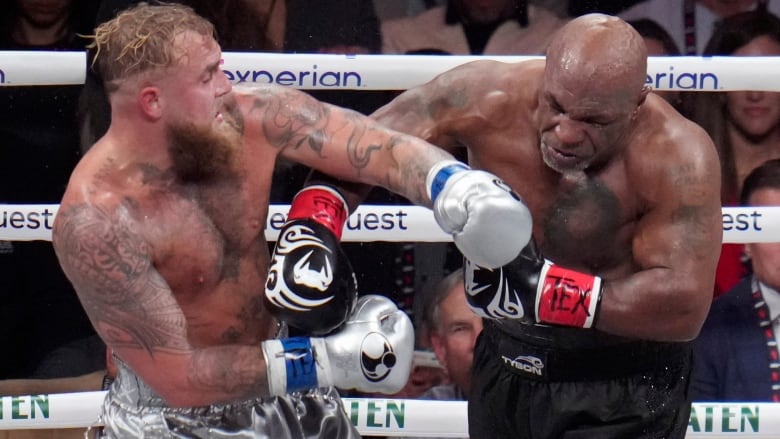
x=390 y=223
x=389 y=417
x=395 y=72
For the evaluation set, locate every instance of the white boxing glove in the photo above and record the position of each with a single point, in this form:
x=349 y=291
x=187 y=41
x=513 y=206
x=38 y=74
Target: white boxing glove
x=488 y=221
x=371 y=352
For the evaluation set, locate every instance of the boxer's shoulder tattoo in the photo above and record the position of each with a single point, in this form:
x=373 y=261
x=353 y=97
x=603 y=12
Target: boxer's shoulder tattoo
x=290 y=118
x=689 y=182
x=693 y=209
x=109 y=264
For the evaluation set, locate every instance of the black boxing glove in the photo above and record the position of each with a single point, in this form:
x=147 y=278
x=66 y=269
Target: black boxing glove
x=534 y=290
x=311 y=285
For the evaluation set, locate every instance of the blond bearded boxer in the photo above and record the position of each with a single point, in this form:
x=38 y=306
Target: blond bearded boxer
x=161 y=231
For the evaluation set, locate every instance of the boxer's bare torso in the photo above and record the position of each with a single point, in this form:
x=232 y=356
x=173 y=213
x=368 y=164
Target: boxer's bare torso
x=204 y=238
x=599 y=220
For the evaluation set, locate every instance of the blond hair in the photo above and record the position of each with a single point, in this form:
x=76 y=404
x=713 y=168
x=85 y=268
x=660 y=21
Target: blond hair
x=141 y=39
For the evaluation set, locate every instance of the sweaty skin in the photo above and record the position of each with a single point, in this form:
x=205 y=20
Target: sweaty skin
x=161 y=228
x=618 y=183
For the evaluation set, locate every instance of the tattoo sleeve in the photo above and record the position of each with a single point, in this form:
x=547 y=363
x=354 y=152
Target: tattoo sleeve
x=109 y=264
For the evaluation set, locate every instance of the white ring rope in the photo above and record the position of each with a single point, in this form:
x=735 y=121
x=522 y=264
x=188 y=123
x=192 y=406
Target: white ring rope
x=389 y=417
x=396 y=72
x=389 y=223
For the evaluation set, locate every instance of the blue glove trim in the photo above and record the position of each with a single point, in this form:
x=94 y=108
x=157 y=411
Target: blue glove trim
x=441 y=177
x=299 y=362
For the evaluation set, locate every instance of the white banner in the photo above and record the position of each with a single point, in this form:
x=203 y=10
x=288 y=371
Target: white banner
x=389 y=417
x=388 y=223
x=396 y=72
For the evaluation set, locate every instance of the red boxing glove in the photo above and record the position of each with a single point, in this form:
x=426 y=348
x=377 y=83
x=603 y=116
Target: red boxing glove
x=322 y=204
x=534 y=290
x=311 y=285
x=566 y=297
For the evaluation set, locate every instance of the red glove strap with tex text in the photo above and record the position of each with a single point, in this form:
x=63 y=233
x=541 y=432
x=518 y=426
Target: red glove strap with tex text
x=322 y=204
x=567 y=297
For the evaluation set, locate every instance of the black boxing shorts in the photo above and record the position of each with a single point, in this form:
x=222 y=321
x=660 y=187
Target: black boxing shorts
x=532 y=390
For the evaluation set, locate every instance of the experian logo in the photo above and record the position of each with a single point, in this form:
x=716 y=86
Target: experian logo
x=683 y=80
x=302 y=78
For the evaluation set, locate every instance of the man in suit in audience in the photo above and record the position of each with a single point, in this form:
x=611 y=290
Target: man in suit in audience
x=735 y=355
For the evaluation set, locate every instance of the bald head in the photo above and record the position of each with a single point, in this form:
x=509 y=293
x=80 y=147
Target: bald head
x=595 y=50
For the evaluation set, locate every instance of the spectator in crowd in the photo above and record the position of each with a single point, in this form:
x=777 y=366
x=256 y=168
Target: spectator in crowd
x=744 y=125
x=454 y=328
x=453 y=331
x=736 y=355
x=38 y=149
x=386 y=10
x=463 y=27
x=660 y=43
x=692 y=22
x=657 y=39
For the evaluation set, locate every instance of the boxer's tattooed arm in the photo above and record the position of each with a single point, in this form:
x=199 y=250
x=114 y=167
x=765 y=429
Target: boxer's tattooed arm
x=693 y=212
x=109 y=264
x=291 y=119
x=235 y=370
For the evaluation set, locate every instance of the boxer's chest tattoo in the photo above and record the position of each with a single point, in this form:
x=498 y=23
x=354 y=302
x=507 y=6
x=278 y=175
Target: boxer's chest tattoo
x=581 y=227
x=247 y=320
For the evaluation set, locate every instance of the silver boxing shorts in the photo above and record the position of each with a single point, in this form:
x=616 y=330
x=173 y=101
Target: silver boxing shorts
x=132 y=410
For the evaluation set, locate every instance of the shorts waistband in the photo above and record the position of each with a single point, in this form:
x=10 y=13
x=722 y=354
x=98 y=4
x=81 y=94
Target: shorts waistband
x=547 y=363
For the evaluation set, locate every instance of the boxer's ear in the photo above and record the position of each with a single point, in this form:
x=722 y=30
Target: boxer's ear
x=640 y=100
x=643 y=95
x=149 y=101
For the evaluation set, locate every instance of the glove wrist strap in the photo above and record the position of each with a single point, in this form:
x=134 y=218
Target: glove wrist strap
x=439 y=174
x=567 y=297
x=322 y=204
x=292 y=365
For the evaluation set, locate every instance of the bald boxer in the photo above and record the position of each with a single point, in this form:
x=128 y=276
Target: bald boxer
x=161 y=232
x=588 y=330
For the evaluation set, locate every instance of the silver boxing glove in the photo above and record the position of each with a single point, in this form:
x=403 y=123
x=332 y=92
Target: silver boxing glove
x=488 y=221
x=371 y=352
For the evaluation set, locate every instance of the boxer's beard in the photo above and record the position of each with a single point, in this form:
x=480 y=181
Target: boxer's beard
x=199 y=153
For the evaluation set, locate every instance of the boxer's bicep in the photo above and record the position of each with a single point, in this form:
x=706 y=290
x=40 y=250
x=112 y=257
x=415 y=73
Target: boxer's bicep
x=438 y=111
x=681 y=232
